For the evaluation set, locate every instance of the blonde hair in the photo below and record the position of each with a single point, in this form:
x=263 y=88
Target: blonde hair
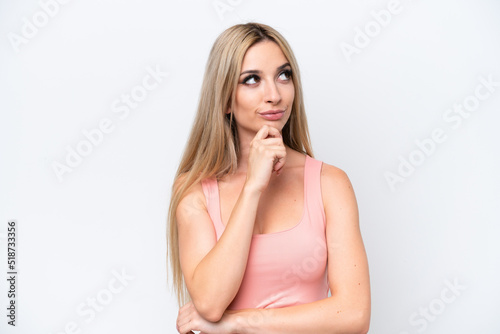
x=212 y=148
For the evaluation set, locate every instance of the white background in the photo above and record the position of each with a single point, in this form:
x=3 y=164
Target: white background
x=365 y=113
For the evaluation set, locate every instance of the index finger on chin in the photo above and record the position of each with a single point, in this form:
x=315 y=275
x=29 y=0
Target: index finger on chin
x=272 y=132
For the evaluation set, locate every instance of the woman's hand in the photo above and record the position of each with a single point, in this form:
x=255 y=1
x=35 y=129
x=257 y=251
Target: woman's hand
x=267 y=154
x=189 y=320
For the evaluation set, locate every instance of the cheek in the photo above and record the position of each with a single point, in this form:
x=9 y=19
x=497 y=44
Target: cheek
x=289 y=94
x=246 y=99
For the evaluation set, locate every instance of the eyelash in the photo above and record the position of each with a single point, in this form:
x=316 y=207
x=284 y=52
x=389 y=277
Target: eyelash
x=287 y=72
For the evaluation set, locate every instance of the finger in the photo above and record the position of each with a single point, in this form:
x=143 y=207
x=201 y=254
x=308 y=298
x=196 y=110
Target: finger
x=182 y=322
x=267 y=131
x=262 y=133
x=185 y=329
x=279 y=166
x=183 y=318
x=271 y=141
x=280 y=156
x=273 y=132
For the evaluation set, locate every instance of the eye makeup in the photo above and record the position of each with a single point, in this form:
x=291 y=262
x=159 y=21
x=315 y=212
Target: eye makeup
x=256 y=78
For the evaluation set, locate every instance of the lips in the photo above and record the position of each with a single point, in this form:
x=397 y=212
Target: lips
x=272 y=115
x=270 y=112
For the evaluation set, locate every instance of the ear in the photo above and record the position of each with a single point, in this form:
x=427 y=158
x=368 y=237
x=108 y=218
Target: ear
x=228 y=111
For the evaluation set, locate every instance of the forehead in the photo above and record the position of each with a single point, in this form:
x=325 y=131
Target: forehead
x=263 y=55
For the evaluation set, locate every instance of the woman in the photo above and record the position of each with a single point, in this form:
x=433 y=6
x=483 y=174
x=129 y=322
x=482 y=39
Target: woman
x=259 y=230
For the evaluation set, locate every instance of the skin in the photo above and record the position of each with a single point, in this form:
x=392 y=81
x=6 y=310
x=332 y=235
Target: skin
x=267 y=169
x=271 y=89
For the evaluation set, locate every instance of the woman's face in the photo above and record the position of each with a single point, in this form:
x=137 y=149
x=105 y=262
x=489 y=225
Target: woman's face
x=265 y=84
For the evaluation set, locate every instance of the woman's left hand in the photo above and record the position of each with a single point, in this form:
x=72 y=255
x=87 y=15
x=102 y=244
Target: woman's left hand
x=189 y=320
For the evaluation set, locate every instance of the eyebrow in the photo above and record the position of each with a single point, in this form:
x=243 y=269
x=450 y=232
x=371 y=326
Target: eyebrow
x=257 y=71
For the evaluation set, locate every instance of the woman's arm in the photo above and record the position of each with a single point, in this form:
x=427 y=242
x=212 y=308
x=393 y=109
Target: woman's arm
x=348 y=309
x=213 y=270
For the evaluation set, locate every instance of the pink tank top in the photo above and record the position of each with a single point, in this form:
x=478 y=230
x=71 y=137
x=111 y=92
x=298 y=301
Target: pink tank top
x=284 y=268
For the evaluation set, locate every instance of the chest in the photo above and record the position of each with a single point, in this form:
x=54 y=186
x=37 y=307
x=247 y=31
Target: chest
x=280 y=207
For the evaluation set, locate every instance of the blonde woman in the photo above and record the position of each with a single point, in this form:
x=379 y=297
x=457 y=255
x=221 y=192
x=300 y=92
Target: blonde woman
x=259 y=230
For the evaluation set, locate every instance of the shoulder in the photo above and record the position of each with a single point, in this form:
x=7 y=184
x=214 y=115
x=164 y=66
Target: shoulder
x=333 y=176
x=192 y=200
x=336 y=189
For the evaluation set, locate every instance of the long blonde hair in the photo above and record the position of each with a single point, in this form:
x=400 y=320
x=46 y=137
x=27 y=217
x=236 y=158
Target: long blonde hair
x=212 y=148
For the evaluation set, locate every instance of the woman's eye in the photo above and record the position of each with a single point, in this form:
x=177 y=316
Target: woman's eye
x=250 y=80
x=285 y=75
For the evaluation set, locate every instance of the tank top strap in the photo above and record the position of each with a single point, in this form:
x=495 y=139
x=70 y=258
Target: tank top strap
x=312 y=178
x=211 y=191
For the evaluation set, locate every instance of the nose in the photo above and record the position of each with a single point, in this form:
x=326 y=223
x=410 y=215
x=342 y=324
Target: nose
x=272 y=93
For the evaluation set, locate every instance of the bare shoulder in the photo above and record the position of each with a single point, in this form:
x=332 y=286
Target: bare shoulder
x=337 y=191
x=333 y=177
x=192 y=202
